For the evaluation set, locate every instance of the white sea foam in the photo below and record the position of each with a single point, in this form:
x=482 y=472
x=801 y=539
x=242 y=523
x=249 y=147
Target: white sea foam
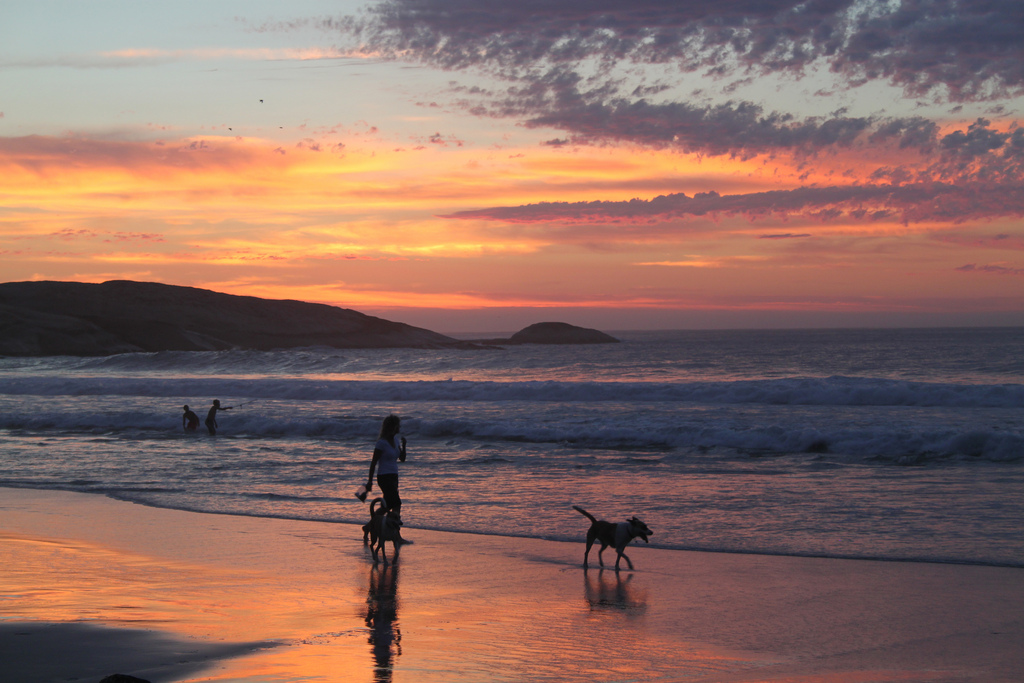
x=830 y=391
x=811 y=443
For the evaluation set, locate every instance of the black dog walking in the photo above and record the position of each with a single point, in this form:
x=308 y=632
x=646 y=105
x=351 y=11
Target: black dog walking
x=383 y=526
x=617 y=534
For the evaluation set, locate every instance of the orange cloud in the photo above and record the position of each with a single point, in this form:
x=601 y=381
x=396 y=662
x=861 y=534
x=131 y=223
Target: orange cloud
x=347 y=220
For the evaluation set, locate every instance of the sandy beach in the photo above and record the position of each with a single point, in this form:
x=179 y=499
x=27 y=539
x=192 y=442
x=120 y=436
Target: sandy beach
x=94 y=586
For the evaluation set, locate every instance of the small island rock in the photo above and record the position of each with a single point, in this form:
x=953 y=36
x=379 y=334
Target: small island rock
x=555 y=333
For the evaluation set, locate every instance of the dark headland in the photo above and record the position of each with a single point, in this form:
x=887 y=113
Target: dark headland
x=80 y=319
x=554 y=333
x=120 y=316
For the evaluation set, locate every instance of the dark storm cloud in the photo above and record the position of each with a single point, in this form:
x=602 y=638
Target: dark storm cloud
x=971 y=48
x=974 y=174
x=979 y=154
x=461 y=33
x=558 y=99
x=557 y=58
x=907 y=203
x=579 y=67
x=738 y=129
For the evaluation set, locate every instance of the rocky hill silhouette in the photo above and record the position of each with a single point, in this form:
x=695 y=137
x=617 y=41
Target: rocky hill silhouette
x=80 y=319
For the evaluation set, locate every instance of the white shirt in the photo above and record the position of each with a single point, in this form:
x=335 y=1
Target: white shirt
x=388 y=462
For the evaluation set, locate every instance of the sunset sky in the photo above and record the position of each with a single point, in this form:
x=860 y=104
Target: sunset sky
x=479 y=166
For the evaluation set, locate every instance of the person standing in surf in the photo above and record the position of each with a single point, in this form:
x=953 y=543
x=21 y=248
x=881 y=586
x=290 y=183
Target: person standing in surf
x=189 y=420
x=211 y=417
x=387 y=453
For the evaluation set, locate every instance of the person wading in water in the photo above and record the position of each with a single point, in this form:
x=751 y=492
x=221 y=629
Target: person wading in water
x=211 y=417
x=189 y=420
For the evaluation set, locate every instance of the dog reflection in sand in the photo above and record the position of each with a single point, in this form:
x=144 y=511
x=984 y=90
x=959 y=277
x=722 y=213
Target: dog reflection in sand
x=614 y=596
x=616 y=534
x=384 y=526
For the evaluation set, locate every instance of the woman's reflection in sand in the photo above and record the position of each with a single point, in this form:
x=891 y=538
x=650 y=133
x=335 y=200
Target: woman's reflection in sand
x=382 y=621
x=610 y=591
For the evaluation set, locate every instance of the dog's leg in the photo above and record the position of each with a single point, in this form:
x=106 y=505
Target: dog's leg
x=590 y=544
x=396 y=543
x=373 y=532
x=370 y=528
x=600 y=553
x=621 y=556
x=377 y=542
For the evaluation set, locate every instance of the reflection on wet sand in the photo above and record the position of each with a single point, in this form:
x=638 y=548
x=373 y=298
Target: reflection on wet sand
x=610 y=591
x=475 y=609
x=385 y=637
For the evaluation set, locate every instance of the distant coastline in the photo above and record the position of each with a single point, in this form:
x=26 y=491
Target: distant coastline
x=50 y=318
x=81 y=319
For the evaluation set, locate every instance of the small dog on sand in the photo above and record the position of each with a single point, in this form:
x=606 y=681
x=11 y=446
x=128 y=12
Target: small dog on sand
x=383 y=526
x=368 y=527
x=612 y=534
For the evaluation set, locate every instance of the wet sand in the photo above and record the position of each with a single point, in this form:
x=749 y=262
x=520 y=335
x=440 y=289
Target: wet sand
x=93 y=586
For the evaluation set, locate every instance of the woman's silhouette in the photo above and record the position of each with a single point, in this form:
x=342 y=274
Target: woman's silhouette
x=387 y=453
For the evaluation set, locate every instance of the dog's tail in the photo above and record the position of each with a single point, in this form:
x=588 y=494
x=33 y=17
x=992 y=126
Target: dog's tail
x=373 y=505
x=583 y=512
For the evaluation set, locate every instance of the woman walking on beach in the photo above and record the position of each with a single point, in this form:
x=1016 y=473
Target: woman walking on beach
x=387 y=453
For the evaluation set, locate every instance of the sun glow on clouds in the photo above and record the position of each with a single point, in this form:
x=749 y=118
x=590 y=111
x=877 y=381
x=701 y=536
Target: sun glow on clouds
x=214 y=179
x=298 y=213
x=202 y=54
x=237 y=200
x=358 y=297
x=690 y=155
x=698 y=262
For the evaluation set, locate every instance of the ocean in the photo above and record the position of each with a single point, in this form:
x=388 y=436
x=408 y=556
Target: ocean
x=898 y=444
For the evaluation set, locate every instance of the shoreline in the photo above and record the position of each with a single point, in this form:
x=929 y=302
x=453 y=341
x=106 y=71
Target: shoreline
x=511 y=537
x=242 y=598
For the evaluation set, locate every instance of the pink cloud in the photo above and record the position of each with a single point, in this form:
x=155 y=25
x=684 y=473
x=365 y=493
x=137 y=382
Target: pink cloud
x=991 y=268
x=41 y=154
x=1003 y=241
